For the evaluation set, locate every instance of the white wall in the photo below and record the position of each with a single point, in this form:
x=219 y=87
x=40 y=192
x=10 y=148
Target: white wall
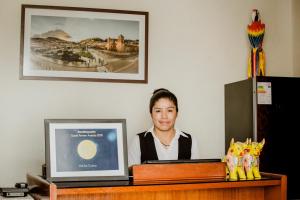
x=296 y=36
x=195 y=47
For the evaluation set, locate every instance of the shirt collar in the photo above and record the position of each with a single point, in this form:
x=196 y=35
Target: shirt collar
x=177 y=132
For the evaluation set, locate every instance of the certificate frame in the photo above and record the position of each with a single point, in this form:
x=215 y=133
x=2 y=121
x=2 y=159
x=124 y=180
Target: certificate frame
x=85 y=149
x=83 y=44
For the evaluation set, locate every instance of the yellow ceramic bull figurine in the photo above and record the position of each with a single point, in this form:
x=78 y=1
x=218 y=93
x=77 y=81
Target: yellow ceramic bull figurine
x=243 y=159
x=248 y=161
x=234 y=160
x=256 y=148
x=251 y=159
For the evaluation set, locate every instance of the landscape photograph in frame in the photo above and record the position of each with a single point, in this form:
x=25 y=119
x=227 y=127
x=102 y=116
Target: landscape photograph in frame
x=84 y=44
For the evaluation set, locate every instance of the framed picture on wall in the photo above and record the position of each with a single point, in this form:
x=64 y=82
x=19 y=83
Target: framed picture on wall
x=86 y=149
x=83 y=44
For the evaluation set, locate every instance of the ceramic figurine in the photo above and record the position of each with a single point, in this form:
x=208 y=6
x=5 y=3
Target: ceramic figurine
x=248 y=160
x=256 y=148
x=251 y=159
x=234 y=160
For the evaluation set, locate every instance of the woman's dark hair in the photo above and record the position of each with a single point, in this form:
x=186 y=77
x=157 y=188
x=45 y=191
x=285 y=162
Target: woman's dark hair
x=162 y=93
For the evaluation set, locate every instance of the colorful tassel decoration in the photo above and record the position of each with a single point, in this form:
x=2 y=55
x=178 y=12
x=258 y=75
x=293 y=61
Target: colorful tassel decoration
x=256 y=32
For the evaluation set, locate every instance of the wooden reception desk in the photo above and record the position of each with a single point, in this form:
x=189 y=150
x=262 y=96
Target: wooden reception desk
x=270 y=187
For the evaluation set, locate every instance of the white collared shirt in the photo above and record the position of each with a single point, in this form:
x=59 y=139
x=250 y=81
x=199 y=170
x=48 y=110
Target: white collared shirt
x=163 y=153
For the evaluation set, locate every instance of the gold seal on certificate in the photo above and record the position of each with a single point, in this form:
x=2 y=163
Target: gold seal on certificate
x=87 y=149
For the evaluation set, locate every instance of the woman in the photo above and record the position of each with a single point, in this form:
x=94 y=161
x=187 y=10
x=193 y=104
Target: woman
x=162 y=141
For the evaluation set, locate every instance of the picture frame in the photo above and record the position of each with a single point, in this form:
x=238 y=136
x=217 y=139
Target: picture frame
x=83 y=44
x=85 y=150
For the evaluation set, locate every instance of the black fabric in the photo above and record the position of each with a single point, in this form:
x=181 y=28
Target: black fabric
x=148 y=150
x=184 y=147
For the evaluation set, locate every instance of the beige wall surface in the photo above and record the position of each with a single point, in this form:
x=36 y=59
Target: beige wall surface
x=195 y=47
x=296 y=36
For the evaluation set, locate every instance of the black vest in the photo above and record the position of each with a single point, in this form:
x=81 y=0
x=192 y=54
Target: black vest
x=148 y=150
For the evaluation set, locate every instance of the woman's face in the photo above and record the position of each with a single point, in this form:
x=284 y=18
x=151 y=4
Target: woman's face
x=164 y=114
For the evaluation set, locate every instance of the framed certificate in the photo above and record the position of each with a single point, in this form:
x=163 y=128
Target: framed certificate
x=86 y=149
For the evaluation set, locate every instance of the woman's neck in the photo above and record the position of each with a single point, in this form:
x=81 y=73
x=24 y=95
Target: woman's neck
x=165 y=137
